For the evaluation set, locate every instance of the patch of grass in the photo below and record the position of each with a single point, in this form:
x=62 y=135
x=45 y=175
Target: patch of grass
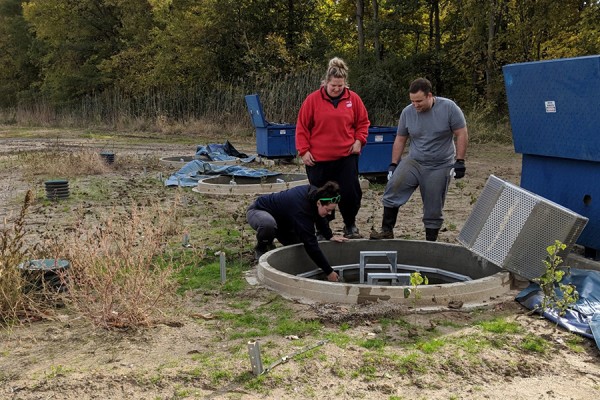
x=367 y=372
x=339 y=339
x=431 y=346
x=410 y=363
x=289 y=326
x=275 y=317
x=155 y=379
x=472 y=344
x=449 y=323
x=373 y=344
x=95 y=189
x=534 y=344
x=212 y=367
x=247 y=319
x=460 y=184
x=256 y=384
x=218 y=376
x=401 y=322
x=575 y=343
x=57 y=370
x=240 y=304
x=207 y=277
x=500 y=325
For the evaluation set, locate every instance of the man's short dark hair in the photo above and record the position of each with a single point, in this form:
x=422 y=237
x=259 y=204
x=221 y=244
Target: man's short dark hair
x=420 y=85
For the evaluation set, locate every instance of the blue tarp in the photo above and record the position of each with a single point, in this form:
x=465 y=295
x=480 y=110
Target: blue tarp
x=192 y=172
x=222 y=152
x=584 y=317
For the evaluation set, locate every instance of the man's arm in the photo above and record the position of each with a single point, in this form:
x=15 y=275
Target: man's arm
x=462 y=138
x=398 y=148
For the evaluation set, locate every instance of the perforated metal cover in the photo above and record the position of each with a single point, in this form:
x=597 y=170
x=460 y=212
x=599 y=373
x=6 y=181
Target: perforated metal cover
x=512 y=227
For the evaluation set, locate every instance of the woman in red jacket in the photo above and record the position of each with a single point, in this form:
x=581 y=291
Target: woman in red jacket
x=332 y=128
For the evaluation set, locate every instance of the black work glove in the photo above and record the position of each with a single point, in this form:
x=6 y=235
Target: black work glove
x=391 y=170
x=459 y=169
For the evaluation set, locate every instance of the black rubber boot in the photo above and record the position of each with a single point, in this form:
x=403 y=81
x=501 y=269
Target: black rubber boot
x=431 y=234
x=261 y=248
x=351 y=232
x=390 y=214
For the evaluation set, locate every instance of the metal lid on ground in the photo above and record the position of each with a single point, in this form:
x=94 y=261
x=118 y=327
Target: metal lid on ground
x=512 y=227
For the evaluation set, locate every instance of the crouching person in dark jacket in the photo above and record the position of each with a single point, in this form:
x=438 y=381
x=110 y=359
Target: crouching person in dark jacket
x=291 y=216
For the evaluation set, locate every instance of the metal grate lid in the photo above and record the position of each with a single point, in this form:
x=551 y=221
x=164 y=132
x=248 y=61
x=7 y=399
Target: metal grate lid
x=512 y=227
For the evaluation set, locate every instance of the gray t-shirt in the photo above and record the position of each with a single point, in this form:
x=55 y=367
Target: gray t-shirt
x=430 y=132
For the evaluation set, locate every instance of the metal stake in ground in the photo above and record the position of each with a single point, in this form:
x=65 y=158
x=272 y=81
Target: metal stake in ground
x=255 y=359
x=222 y=265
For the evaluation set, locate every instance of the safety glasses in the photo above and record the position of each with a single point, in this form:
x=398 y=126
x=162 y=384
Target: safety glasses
x=334 y=200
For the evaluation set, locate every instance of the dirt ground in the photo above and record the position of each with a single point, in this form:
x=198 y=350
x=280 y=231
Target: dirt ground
x=63 y=357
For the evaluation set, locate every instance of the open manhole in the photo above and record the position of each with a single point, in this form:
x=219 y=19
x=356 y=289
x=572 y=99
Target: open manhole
x=46 y=273
x=455 y=274
x=231 y=185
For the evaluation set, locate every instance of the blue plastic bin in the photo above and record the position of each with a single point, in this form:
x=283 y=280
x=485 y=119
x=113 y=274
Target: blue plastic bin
x=376 y=156
x=272 y=140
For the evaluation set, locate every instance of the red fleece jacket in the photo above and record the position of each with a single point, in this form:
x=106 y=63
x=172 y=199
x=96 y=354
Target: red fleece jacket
x=327 y=131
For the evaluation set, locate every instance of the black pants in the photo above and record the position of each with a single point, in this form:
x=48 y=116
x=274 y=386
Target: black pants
x=267 y=229
x=344 y=171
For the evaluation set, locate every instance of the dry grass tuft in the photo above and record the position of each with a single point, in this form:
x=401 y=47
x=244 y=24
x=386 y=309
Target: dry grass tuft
x=119 y=276
x=58 y=163
x=13 y=300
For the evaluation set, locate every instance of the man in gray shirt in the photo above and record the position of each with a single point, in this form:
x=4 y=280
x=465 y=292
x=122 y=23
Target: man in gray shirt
x=432 y=123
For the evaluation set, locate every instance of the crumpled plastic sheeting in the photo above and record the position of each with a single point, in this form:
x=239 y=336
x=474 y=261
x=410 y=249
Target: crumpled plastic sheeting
x=584 y=317
x=192 y=172
x=223 y=152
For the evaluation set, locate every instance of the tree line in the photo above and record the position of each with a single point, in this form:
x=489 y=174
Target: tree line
x=66 y=53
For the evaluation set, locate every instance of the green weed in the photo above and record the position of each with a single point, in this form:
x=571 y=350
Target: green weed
x=534 y=344
x=448 y=323
x=472 y=344
x=208 y=277
x=373 y=344
x=367 y=372
x=431 y=346
x=339 y=339
x=410 y=363
x=499 y=325
x=575 y=343
x=557 y=295
x=58 y=370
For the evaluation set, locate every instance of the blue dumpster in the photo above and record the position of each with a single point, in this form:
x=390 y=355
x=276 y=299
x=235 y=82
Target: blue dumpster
x=554 y=109
x=279 y=140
